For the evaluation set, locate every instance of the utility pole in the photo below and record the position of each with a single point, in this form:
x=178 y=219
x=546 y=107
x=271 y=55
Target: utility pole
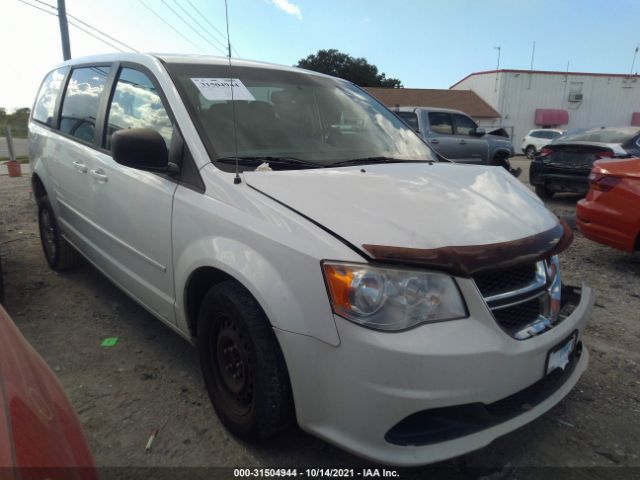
x=64 y=30
x=633 y=64
x=499 y=48
x=533 y=54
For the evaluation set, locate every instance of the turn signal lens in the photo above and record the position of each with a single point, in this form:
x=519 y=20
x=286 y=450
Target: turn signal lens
x=605 y=154
x=391 y=299
x=545 y=152
x=602 y=182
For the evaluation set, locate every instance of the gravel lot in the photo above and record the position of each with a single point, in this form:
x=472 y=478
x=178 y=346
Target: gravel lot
x=151 y=379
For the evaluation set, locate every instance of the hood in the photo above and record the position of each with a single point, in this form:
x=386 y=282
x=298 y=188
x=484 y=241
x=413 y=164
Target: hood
x=413 y=205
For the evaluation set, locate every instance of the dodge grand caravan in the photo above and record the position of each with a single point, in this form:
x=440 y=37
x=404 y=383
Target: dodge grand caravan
x=329 y=269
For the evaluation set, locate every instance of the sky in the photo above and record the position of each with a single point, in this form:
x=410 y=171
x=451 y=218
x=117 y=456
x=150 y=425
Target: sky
x=424 y=43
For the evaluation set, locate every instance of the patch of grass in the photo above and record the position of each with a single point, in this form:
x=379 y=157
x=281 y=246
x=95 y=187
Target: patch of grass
x=17 y=121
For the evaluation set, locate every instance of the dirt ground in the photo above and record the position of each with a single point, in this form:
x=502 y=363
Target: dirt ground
x=151 y=380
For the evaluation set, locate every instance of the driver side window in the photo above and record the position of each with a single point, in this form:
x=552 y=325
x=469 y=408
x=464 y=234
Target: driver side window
x=137 y=104
x=440 y=122
x=464 y=125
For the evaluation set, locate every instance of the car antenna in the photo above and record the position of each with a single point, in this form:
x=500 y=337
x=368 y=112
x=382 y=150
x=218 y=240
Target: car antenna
x=236 y=179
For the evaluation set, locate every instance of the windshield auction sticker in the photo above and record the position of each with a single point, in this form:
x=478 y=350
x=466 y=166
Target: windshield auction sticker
x=220 y=89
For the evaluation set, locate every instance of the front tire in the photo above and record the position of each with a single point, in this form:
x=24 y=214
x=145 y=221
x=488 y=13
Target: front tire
x=242 y=365
x=530 y=152
x=60 y=255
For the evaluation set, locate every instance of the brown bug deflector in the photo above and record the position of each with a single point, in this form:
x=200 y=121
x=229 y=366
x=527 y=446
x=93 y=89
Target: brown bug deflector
x=464 y=261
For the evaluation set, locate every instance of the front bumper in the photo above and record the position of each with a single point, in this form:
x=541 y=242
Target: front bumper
x=354 y=394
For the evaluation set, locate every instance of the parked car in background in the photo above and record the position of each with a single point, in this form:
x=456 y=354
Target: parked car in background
x=40 y=434
x=610 y=213
x=565 y=164
x=538 y=138
x=455 y=136
x=307 y=240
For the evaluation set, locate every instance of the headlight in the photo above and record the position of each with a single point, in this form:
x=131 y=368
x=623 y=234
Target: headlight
x=391 y=299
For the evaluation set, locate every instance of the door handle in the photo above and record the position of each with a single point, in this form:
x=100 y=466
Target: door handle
x=462 y=142
x=99 y=175
x=81 y=167
x=435 y=140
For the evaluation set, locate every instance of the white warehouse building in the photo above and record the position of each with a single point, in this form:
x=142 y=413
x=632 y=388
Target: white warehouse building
x=527 y=99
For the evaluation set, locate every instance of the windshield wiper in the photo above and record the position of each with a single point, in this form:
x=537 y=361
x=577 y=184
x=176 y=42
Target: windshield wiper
x=272 y=160
x=373 y=160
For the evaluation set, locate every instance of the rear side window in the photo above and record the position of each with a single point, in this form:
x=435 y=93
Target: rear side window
x=46 y=100
x=440 y=123
x=137 y=104
x=81 y=101
x=411 y=119
x=464 y=125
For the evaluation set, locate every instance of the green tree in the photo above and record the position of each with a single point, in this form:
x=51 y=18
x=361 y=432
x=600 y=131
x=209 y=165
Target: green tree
x=357 y=70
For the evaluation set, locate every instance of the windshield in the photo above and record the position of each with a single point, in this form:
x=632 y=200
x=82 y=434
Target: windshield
x=293 y=116
x=602 y=135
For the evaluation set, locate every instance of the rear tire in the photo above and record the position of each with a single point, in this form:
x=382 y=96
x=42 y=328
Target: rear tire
x=242 y=365
x=530 y=152
x=544 y=192
x=59 y=253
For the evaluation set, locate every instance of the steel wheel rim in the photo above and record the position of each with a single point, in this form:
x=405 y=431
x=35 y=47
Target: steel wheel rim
x=48 y=234
x=231 y=358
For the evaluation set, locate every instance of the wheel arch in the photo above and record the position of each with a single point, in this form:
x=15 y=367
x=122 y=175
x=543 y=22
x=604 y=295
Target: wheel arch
x=200 y=281
x=287 y=305
x=500 y=153
x=37 y=187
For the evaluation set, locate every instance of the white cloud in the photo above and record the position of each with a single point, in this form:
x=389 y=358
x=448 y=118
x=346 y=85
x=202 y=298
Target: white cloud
x=287 y=7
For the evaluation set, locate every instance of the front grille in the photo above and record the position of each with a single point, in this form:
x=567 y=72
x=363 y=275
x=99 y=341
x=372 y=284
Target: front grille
x=518 y=298
x=515 y=318
x=505 y=280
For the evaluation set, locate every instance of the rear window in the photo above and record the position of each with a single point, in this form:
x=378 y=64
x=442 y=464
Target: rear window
x=47 y=96
x=411 y=119
x=602 y=135
x=81 y=101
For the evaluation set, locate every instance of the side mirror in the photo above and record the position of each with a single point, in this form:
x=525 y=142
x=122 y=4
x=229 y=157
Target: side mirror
x=141 y=148
x=479 y=132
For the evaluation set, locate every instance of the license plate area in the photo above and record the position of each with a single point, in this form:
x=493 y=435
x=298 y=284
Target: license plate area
x=561 y=355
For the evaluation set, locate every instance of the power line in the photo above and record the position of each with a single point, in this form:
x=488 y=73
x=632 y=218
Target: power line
x=169 y=25
x=39 y=8
x=199 y=24
x=211 y=25
x=73 y=24
x=189 y=25
x=102 y=33
x=87 y=25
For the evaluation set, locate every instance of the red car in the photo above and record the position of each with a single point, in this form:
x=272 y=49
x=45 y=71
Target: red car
x=610 y=213
x=40 y=434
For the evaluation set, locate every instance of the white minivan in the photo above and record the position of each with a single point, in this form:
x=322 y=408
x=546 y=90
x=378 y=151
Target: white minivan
x=329 y=269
